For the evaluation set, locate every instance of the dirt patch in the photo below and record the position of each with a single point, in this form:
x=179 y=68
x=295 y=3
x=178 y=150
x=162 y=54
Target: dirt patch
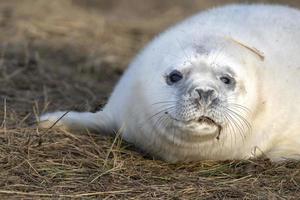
x=61 y=55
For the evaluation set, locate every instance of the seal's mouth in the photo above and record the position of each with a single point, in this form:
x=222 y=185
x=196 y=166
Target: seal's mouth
x=210 y=122
x=203 y=126
x=207 y=120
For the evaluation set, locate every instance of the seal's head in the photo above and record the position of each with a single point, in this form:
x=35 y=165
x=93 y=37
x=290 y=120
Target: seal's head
x=207 y=95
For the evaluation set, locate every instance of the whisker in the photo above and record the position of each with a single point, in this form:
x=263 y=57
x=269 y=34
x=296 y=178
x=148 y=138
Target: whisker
x=162 y=102
x=232 y=131
x=236 y=125
x=249 y=127
x=161 y=111
x=240 y=107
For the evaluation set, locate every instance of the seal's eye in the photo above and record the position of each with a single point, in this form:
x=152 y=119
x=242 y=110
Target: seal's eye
x=174 y=76
x=227 y=80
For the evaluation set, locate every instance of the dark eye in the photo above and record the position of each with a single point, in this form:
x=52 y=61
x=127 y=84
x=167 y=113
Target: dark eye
x=174 y=76
x=227 y=80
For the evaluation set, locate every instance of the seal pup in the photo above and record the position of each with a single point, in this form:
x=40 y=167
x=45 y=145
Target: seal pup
x=223 y=84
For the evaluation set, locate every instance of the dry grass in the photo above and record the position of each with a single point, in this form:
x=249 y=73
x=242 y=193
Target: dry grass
x=68 y=55
x=61 y=164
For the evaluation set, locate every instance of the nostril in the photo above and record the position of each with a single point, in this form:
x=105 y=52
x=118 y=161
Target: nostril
x=210 y=92
x=200 y=92
x=205 y=94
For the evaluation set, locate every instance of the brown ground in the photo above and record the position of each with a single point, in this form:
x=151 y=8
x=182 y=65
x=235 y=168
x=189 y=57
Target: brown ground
x=64 y=54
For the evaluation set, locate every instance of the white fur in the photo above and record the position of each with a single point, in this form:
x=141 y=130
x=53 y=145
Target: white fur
x=272 y=85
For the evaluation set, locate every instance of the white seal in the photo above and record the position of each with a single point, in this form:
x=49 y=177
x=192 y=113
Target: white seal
x=223 y=84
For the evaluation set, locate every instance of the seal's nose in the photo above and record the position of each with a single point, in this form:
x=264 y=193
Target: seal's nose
x=206 y=94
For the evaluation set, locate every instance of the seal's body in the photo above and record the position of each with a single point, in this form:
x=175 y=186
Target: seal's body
x=224 y=84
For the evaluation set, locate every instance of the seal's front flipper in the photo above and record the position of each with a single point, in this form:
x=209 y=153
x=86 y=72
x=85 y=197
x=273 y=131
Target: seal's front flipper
x=77 y=121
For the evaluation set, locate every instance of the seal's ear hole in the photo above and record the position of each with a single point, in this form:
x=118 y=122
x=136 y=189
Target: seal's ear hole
x=174 y=77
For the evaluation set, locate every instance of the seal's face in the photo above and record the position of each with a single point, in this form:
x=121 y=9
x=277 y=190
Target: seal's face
x=205 y=97
x=202 y=97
